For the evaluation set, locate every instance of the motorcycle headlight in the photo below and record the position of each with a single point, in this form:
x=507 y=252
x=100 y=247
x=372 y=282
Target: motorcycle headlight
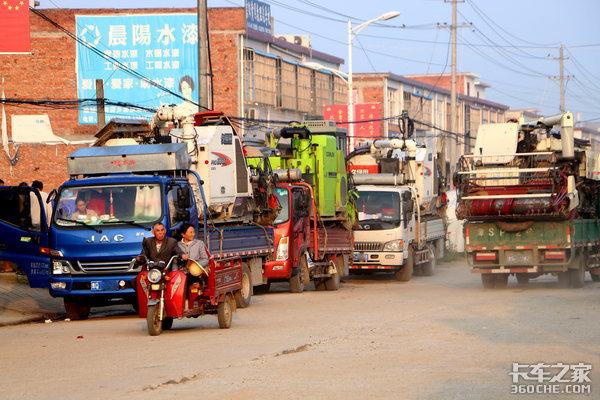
x=60 y=267
x=394 y=245
x=154 y=275
x=282 y=249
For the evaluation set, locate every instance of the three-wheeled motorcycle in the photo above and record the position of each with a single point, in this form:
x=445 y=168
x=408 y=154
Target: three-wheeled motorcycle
x=178 y=290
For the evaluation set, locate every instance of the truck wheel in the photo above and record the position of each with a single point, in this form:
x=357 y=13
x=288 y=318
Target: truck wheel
x=523 y=279
x=167 y=323
x=428 y=268
x=405 y=272
x=440 y=248
x=333 y=282
x=577 y=276
x=320 y=285
x=243 y=296
x=296 y=283
x=154 y=323
x=488 y=281
x=225 y=313
x=501 y=281
x=564 y=279
x=76 y=311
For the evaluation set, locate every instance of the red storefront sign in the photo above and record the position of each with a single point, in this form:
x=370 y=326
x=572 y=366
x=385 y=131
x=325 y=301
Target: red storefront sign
x=370 y=113
x=14 y=26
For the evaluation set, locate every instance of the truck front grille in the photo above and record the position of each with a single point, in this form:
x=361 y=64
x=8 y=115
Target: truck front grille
x=367 y=246
x=107 y=267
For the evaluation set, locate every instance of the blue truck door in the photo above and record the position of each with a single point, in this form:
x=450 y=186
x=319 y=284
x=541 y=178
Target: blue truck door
x=23 y=239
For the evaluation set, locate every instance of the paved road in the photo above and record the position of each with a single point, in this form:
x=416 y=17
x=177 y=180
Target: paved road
x=440 y=337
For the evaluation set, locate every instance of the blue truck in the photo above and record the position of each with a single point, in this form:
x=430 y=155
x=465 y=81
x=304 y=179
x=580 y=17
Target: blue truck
x=84 y=251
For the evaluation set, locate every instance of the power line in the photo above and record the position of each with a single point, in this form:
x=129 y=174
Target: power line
x=479 y=10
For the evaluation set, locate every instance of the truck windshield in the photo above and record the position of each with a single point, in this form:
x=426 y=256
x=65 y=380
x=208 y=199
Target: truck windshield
x=111 y=204
x=378 y=210
x=283 y=198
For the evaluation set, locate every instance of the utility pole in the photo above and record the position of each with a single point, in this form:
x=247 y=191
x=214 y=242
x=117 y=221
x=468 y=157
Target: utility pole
x=453 y=90
x=100 y=114
x=561 y=75
x=204 y=99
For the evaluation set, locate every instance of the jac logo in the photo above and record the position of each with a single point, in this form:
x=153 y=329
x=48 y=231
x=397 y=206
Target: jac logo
x=105 y=239
x=221 y=159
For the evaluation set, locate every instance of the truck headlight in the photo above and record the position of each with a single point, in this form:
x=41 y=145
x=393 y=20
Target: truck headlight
x=154 y=275
x=60 y=267
x=282 y=249
x=394 y=245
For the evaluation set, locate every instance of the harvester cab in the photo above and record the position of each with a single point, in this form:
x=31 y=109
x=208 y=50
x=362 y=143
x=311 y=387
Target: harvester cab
x=317 y=149
x=234 y=191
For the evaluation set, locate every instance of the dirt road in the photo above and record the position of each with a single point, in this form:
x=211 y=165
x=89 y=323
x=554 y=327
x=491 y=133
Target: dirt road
x=440 y=337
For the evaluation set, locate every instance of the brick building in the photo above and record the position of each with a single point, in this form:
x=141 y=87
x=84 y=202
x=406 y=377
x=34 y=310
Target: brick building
x=255 y=75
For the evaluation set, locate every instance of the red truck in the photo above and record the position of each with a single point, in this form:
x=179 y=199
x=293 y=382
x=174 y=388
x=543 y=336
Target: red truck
x=306 y=249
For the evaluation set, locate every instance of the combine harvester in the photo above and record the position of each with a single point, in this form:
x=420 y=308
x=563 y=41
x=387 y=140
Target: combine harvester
x=531 y=201
x=313 y=231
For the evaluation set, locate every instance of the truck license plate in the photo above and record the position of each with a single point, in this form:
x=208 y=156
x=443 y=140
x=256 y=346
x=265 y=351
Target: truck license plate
x=360 y=257
x=518 y=257
x=96 y=285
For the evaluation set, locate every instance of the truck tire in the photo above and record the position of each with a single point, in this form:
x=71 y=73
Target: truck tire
x=225 y=313
x=523 y=279
x=488 y=281
x=296 y=282
x=167 y=323
x=76 y=311
x=244 y=296
x=440 y=248
x=405 y=272
x=428 y=269
x=501 y=281
x=155 y=326
x=333 y=282
x=320 y=285
x=564 y=279
x=577 y=275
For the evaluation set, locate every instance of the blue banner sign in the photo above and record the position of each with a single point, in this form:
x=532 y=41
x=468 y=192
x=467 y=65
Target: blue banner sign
x=258 y=16
x=161 y=47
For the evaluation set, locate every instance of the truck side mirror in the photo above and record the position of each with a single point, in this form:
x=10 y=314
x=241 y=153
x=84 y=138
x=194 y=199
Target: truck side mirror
x=51 y=196
x=184 y=199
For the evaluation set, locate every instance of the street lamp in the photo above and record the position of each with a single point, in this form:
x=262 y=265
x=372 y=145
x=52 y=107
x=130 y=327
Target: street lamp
x=351 y=33
x=337 y=72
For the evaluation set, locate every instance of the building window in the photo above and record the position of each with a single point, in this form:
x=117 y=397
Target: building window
x=467 y=129
x=468 y=88
x=394 y=102
x=406 y=101
x=279 y=89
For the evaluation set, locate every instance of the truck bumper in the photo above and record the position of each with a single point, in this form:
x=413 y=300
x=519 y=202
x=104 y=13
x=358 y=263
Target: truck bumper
x=377 y=260
x=109 y=287
x=278 y=269
x=519 y=260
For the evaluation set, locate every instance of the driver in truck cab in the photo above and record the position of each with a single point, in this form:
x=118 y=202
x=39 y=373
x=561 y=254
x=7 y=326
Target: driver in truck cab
x=159 y=247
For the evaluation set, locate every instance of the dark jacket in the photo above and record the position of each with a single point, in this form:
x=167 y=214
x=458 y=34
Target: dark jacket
x=168 y=249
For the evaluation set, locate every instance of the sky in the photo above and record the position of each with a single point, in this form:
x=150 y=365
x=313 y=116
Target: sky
x=511 y=44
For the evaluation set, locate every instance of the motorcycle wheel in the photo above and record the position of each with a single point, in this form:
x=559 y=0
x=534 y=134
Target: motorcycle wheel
x=155 y=326
x=167 y=323
x=225 y=313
